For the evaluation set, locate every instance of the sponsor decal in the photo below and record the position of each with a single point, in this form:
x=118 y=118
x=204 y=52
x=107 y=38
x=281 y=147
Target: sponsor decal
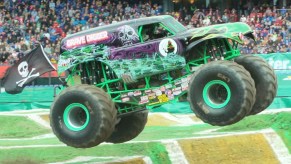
x=163 y=98
x=143 y=100
x=130 y=93
x=148 y=91
x=137 y=93
x=171 y=97
x=287 y=78
x=65 y=62
x=123 y=95
x=177 y=92
x=184 y=86
x=177 y=89
x=184 y=80
x=178 y=82
x=125 y=99
x=158 y=92
x=152 y=95
x=163 y=89
x=168 y=86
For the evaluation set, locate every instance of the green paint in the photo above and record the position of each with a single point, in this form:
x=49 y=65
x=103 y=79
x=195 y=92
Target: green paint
x=71 y=58
x=147 y=66
x=17 y=127
x=72 y=118
x=139 y=34
x=214 y=87
x=227 y=30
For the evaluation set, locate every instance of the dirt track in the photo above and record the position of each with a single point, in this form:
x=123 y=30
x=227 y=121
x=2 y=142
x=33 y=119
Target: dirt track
x=251 y=148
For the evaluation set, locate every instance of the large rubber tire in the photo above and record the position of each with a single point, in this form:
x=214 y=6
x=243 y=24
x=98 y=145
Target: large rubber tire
x=265 y=81
x=83 y=116
x=129 y=127
x=221 y=93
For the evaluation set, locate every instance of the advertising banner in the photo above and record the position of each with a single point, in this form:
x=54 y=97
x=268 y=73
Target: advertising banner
x=282 y=66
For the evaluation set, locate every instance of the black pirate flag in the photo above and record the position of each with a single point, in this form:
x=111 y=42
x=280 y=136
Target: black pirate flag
x=31 y=66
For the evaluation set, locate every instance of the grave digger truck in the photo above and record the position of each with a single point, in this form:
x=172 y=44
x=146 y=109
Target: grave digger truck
x=114 y=72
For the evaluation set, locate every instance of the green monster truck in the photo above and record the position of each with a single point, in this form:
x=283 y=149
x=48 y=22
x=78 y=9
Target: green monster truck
x=114 y=72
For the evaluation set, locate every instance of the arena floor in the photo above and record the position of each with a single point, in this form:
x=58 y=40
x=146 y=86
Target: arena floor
x=26 y=137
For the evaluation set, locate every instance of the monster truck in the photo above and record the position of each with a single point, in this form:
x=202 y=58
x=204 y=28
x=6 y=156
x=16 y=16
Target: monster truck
x=114 y=72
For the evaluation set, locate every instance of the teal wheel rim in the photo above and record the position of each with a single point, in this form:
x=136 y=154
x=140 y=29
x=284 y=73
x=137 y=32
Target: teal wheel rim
x=216 y=94
x=76 y=117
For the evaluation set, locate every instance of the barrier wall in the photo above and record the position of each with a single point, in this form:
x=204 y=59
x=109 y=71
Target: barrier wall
x=3 y=69
x=31 y=98
x=42 y=96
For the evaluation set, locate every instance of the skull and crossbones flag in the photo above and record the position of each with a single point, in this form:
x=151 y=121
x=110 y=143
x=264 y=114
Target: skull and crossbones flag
x=31 y=66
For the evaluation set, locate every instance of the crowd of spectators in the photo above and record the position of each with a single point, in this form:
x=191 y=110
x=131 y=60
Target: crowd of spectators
x=24 y=23
x=272 y=26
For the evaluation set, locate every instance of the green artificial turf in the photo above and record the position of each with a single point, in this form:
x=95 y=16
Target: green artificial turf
x=282 y=125
x=156 y=151
x=44 y=141
x=20 y=127
x=256 y=122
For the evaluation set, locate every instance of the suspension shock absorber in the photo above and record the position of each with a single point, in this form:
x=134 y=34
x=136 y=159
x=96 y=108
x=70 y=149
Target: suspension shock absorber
x=93 y=65
x=89 y=72
x=211 y=51
x=98 y=72
x=83 y=74
x=220 y=49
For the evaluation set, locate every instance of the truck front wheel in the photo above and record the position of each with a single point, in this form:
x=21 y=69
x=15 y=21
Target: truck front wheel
x=83 y=116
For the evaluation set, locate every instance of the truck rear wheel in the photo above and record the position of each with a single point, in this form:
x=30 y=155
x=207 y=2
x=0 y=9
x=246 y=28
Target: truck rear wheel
x=265 y=81
x=129 y=127
x=83 y=116
x=221 y=93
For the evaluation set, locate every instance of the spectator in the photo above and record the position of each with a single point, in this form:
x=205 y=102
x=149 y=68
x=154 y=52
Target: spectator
x=24 y=23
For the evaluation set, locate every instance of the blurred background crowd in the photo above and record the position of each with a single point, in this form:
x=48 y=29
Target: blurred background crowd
x=24 y=23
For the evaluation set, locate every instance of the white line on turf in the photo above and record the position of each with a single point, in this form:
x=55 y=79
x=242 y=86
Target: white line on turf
x=45 y=136
x=109 y=159
x=278 y=147
x=175 y=152
x=39 y=120
x=31 y=146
